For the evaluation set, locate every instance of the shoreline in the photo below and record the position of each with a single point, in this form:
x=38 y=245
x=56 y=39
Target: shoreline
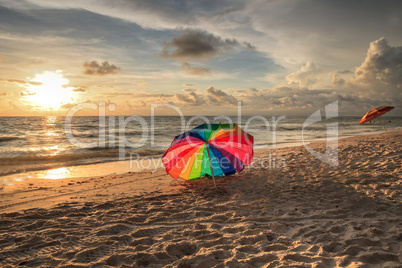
x=276 y=159
x=305 y=214
x=116 y=167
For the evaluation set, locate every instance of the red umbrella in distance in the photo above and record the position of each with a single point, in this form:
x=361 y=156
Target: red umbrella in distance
x=376 y=112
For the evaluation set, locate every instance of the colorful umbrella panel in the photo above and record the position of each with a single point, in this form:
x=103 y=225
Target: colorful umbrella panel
x=209 y=149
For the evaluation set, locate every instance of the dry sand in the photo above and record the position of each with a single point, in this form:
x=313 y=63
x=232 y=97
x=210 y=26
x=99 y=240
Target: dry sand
x=303 y=214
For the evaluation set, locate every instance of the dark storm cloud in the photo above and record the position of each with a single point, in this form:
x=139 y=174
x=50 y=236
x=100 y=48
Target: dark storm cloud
x=94 y=68
x=194 y=44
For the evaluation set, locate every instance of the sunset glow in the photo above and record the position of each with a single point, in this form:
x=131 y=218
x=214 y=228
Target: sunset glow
x=185 y=133
x=273 y=57
x=49 y=90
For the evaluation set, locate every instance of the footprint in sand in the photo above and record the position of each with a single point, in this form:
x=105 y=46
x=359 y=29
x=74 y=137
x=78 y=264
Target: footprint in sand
x=276 y=247
x=365 y=242
x=91 y=254
x=181 y=249
x=262 y=260
x=378 y=257
x=114 y=230
x=248 y=249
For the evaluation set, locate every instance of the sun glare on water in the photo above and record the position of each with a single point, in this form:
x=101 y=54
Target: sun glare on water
x=49 y=90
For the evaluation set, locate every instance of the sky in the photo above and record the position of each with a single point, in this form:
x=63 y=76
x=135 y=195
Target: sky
x=280 y=57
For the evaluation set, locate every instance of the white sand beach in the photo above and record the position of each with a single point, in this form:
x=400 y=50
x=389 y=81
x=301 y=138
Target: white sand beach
x=304 y=213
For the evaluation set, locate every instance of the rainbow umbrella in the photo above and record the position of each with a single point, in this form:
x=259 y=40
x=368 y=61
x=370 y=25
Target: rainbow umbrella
x=376 y=112
x=209 y=149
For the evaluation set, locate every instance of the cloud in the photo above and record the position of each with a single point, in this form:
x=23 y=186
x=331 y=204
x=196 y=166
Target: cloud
x=383 y=64
x=142 y=84
x=94 y=68
x=3 y=94
x=292 y=34
x=249 y=46
x=68 y=105
x=305 y=30
x=12 y=104
x=20 y=82
x=191 y=98
x=24 y=93
x=210 y=96
x=189 y=90
x=380 y=75
x=345 y=72
x=186 y=67
x=218 y=96
x=307 y=76
x=337 y=80
x=188 y=85
x=150 y=95
x=12 y=81
x=154 y=14
x=79 y=89
x=195 y=44
x=35 y=83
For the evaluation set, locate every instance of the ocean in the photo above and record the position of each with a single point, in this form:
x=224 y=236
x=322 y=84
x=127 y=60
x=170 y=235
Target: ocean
x=30 y=144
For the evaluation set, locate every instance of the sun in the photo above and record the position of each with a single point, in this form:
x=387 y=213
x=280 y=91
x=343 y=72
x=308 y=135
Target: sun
x=49 y=90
